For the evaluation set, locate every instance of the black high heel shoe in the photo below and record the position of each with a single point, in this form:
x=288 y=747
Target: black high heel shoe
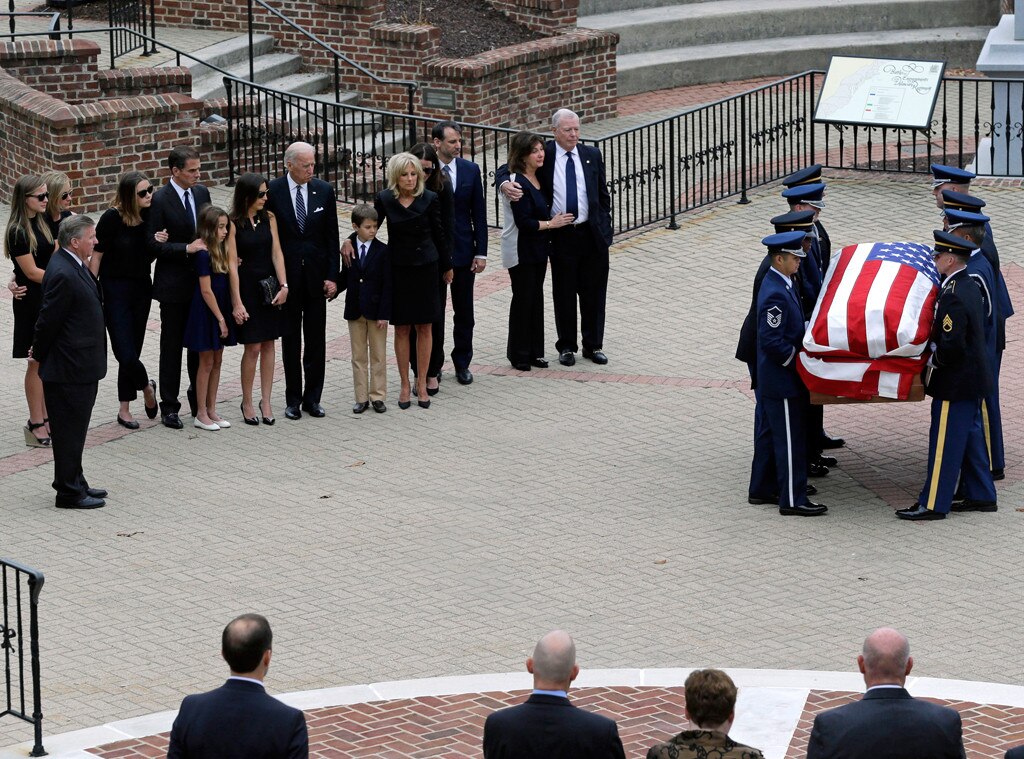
x=267 y=420
x=251 y=420
x=31 y=440
x=423 y=404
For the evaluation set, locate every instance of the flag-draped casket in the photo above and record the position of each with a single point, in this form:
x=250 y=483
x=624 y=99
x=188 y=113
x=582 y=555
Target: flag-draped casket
x=868 y=335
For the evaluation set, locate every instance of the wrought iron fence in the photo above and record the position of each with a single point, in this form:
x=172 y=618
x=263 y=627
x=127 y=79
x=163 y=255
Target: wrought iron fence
x=132 y=26
x=20 y=586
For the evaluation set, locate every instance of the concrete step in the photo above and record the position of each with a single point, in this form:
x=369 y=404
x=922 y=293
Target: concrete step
x=267 y=67
x=592 y=7
x=701 y=64
x=225 y=53
x=680 y=25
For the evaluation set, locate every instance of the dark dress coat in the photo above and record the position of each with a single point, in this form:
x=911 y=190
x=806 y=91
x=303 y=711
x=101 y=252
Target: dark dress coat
x=961 y=368
x=470 y=231
x=550 y=727
x=780 y=333
x=888 y=723
x=238 y=720
x=311 y=255
x=174 y=279
x=367 y=284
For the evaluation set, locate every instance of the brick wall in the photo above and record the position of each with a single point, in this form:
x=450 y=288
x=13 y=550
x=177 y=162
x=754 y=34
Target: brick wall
x=65 y=69
x=131 y=82
x=539 y=15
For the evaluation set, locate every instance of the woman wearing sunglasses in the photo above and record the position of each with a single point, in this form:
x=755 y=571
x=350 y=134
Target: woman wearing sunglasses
x=123 y=260
x=58 y=207
x=29 y=244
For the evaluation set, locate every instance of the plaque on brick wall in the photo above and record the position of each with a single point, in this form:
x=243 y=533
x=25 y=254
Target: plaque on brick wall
x=879 y=92
x=440 y=99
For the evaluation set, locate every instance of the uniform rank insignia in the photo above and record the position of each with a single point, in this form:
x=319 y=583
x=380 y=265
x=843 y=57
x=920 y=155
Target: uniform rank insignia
x=947 y=324
x=774 y=316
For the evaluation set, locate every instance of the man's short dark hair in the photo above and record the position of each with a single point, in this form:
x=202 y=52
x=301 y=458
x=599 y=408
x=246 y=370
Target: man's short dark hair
x=362 y=212
x=975 y=233
x=181 y=155
x=244 y=641
x=437 y=132
x=710 y=696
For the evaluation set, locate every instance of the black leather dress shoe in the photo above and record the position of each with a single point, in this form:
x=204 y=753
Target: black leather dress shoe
x=379 y=406
x=540 y=363
x=828 y=461
x=96 y=492
x=567 y=358
x=172 y=421
x=809 y=509
x=359 y=408
x=968 y=505
x=597 y=357
x=292 y=412
x=756 y=500
x=817 y=470
x=811 y=490
x=314 y=410
x=464 y=376
x=918 y=513
x=83 y=502
x=998 y=474
x=522 y=367
x=828 y=442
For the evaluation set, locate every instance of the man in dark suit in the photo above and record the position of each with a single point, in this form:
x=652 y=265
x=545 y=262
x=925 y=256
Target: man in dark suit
x=239 y=720
x=175 y=210
x=71 y=347
x=547 y=724
x=469 y=244
x=307 y=224
x=1015 y=753
x=573 y=181
x=888 y=723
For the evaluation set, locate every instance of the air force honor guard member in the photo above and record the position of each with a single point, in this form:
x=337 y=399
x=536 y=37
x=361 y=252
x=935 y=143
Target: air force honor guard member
x=779 y=447
x=957 y=378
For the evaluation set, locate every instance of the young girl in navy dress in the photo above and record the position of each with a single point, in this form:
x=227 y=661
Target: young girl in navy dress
x=208 y=330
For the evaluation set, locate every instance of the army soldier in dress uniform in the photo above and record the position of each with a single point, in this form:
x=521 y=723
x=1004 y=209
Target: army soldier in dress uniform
x=779 y=445
x=957 y=378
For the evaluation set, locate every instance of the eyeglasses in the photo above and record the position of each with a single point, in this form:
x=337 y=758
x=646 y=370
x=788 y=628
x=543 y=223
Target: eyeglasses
x=41 y=196
x=145 y=191
x=261 y=194
x=65 y=195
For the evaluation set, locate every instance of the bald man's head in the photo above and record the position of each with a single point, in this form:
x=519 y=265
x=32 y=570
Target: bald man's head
x=553 y=663
x=885 y=658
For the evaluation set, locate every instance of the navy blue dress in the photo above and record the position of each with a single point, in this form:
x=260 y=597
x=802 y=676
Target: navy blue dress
x=201 y=331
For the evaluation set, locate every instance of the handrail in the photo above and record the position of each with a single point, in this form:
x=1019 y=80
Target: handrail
x=54 y=24
x=13 y=642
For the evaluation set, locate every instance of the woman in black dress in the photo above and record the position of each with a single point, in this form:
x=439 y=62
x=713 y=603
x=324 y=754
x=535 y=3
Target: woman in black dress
x=29 y=244
x=58 y=206
x=123 y=259
x=527 y=224
x=255 y=255
x=419 y=249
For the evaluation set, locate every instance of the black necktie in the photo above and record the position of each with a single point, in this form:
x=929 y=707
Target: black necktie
x=572 y=201
x=189 y=211
x=362 y=254
x=300 y=209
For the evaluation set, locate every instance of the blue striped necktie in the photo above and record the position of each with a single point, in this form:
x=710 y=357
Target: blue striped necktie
x=300 y=209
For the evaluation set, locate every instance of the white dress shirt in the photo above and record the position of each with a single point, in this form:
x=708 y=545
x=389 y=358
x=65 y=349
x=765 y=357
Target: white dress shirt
x=558 y=199
x=191 y=200
x=454 y=172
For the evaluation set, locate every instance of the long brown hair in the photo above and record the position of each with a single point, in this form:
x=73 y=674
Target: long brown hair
x=209 y=217
x=126 y=201
x=425 y=152
x=520 y=147
x=19 y=220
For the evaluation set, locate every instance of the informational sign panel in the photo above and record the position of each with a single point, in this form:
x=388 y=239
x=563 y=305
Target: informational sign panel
x=880 y=92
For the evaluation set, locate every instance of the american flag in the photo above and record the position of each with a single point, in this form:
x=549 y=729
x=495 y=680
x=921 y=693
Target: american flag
x=869 y=330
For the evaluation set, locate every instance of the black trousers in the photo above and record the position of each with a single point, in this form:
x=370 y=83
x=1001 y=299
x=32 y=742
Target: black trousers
x=462 y=317
x=126 y=304
x=70 y=407
x=815 y=425
x=579 y=270
x=304 y=346
x=173 y=317
x=436 y=343
x=526 y=313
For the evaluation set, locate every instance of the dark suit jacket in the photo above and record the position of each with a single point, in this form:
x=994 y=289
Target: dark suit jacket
x=780 y=329
x=238 y=721
x=552 y=728
x=1015 y=753
x=888 y=723
x=367 y=285
x=470 y=234
x=312 y=255
x=962 y=370
x=416 y=235
x=70 y=341
x=174 y=279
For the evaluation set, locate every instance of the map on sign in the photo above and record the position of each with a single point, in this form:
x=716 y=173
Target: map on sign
x=879 y=92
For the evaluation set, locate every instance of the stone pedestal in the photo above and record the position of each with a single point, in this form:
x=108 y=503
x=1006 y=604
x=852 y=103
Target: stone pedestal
x=1002 y=57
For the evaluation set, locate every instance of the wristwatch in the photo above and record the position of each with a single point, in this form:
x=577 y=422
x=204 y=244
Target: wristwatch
x=284 y=285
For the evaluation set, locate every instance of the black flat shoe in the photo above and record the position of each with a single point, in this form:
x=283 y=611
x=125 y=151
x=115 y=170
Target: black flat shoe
x=250 y=420
x=132 y=425
x=82 y=502
x=151 y=410
x=540 y=363
x=596 y=356
x=404 y=405
x=314 y=409
x=567 y=358
x=267 y=420
x=423 y=404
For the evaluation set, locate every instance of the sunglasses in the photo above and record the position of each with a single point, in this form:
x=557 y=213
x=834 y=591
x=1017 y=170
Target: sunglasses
x=65 y=195
x=428 y=169
x=145 y=191
x=261 y=194
x=41 y=196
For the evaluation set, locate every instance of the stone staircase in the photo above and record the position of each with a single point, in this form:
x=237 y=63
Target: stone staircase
x=670 y=44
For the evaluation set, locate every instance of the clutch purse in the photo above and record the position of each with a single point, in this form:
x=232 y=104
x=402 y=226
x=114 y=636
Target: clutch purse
x=269 y=287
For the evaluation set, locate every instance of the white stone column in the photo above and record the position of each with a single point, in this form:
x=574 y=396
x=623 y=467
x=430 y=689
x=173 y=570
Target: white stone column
x=1002 y=57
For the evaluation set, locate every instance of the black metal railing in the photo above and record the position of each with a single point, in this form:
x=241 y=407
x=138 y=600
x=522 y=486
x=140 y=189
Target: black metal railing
x=132 y=26
x=52 y=28
x=19 y=588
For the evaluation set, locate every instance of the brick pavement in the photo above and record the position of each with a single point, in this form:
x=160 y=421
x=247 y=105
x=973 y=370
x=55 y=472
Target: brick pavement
x=606 y=500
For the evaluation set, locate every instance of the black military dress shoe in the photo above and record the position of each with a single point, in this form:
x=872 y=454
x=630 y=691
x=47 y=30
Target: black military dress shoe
x=567 y=358
x=809 y=509
x=359 y=408
x=292 y=412
x=828 y=442
x=314 y=410
x=540 y=363
x=597 y=356
x=761 y=500
x=172 y=421
x=817 y=470
x=96 y=492
x=464 y=376
x=82 y=502
x=918 y=513
x=828 y=461
x=379 y=406
x=969 y=505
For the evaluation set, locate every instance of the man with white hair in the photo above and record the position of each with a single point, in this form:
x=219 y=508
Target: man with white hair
x=888 y=723
x=547 y=724
x=307 y=225
x=573 y=181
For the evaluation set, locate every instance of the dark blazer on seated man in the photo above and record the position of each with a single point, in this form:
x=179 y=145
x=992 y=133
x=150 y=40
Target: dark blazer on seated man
x=367 y=284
